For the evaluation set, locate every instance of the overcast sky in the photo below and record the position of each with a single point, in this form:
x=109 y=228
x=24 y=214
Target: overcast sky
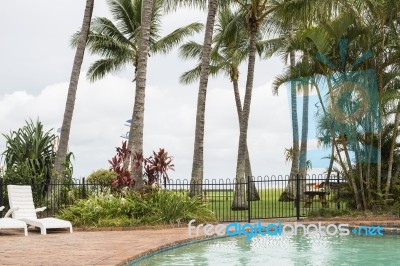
x=36 y=62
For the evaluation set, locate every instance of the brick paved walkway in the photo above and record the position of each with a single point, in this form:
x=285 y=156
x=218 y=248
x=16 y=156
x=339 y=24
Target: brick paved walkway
x=109 y=247
x=82 y=248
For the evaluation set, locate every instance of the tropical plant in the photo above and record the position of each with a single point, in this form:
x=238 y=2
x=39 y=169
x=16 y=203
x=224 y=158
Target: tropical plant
x=229 y=50
x=159 y=207
x=129 y=40
x=157 y=167
x=30 y=152
x=197 y=168
x=29 y=159
x=256 y=12
x=123 y=177
x=73 y=85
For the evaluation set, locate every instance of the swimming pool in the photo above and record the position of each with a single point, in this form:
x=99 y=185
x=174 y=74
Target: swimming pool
x=287 y=250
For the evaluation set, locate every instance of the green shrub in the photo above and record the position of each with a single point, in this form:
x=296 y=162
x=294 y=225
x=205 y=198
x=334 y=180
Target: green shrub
x=159 y=207
x=101 y=176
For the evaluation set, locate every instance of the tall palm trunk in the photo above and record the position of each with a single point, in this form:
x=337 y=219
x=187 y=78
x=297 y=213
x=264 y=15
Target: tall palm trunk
x=303 y=141
x=380 y=90
x=290 y=189
x=197 y=168
x=239 y=200
x=391 y=153
x=136 y=129
x=73 y=86
x=254 y=196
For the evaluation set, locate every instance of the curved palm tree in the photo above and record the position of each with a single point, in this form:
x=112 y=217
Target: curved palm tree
x=73 y=86
x=129 y=42
x=228 y=52
x=255 y=12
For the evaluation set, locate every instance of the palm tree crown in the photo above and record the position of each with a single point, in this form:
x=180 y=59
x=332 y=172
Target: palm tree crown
x=118 y=42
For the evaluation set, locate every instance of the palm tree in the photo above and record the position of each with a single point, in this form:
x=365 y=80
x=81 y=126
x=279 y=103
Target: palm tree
x=229 y=51
x=281 y=45
x=136 y=129
x=129 y=42
x=197 y=167
x=286 y=21
x=256 y=12
x=73 y=85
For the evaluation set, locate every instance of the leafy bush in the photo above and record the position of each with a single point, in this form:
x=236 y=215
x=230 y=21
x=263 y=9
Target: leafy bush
x=101 y=176
x=161 y=207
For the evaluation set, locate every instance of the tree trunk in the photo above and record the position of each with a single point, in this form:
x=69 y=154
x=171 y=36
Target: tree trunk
x=239 y=200
x=303 y=141
x=380 y=90
x=197 y=168
x=254 y=196
x=137 y=125
x=73 y=86
x=360 y=169
x=289 y=193
x=352 y=176
x=391 y=154
x=328 y=176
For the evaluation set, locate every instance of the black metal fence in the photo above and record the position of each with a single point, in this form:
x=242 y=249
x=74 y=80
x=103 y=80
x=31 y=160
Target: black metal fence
x=254 y=198
x=268 y=197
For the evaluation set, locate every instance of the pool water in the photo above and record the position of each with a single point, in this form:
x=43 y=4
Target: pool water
x=283 y=250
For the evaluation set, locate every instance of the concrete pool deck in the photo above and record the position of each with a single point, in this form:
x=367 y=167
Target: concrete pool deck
x=111 y=247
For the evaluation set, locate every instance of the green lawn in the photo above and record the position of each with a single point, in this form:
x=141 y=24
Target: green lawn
x=267 y=207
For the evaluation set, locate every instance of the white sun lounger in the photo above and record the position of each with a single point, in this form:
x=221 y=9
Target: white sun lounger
x=9 y=223
x=21 y=197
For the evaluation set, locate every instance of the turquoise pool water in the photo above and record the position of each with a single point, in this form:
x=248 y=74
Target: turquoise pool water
x=288 y=250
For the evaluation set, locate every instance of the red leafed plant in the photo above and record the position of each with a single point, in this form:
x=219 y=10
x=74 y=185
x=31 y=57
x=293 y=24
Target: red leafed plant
x=155 y=167
x=123 y=178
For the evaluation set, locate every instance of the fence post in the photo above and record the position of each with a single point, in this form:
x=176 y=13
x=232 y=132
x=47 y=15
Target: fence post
x=1 y=192
x=298 y=197
x=248 y=200
x=83 y=188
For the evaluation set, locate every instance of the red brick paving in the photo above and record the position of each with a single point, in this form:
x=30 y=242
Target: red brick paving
x=82 y=248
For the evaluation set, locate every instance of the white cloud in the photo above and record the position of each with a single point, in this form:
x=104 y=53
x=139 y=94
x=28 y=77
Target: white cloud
x=102 y=108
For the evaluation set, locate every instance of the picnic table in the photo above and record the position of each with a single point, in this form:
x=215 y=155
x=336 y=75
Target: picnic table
x=321 y=193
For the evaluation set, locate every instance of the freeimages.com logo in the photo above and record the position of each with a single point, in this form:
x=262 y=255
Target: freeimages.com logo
x=281 y=229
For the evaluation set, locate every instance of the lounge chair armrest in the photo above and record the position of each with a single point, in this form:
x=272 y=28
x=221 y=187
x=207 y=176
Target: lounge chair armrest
x=1 y=208
x=40 y=209
x=10 y=211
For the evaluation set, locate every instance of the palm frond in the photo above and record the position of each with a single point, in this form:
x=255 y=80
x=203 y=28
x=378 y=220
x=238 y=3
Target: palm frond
x=104 y=66
x=165 y=44
x=191 y=50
